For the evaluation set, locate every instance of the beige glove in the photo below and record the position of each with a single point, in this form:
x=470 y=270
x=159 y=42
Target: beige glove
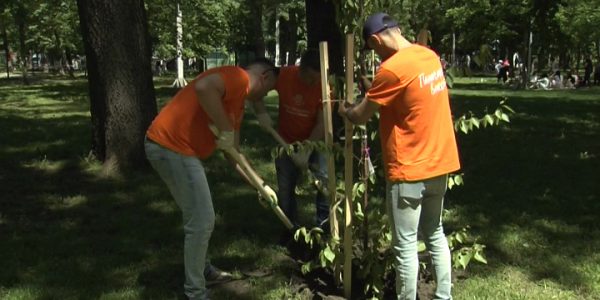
x=300 y=159
x=268 y=195
x=226 y=140
x=264 y=121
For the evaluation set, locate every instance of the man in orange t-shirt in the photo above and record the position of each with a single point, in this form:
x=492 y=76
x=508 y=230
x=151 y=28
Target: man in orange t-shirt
x=181 y=136
x=300 y=119
x=418 y=144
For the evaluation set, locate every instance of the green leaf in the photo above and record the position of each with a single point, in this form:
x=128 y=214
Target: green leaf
x=307 y=267
x=462 y=259
x=450 y=182
x=450 y=240
x=479 y=257
x=459 y=237
x=421 y=246
x=475 y=122
x=359 y=212
x=505 y=118
x=463 y=127
x=458 y=179
x=373 y=135
x=329 y=255
x=489 y=119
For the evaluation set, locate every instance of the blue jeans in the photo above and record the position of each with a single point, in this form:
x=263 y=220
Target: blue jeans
x=287 y=179
x=413 y=206
x=186 y=180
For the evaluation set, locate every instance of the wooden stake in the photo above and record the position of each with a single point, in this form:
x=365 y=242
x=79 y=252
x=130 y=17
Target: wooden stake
x=325 y=95
x=348 y=169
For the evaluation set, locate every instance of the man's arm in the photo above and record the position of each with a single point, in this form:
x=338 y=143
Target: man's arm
x=259 y=106
x=210 y=91
x=359 y=114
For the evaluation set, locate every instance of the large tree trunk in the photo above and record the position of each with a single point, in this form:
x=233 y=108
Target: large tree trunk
x=321 y=26
x=118 y=57
x=257 y=8
x=288 y=38
x=292 y=47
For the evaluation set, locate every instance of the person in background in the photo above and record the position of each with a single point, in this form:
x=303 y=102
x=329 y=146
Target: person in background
x=588 y=68
x=300 y=119
x=498 y=67
x=418 y=145
x=180 y=137
x=504 y=70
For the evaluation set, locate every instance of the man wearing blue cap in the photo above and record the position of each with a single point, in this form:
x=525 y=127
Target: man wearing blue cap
x=418 y=145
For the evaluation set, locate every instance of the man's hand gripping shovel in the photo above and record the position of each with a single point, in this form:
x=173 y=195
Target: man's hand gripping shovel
x=265 y=192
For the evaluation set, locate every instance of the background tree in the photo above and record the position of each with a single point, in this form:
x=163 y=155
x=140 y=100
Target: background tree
x=579 y=22
x=291 y=17
x=55 y=33
x=21 y=14
x=4 y=27
x=121 y=91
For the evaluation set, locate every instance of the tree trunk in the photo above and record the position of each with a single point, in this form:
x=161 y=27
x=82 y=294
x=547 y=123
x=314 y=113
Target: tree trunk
x=118 y=58
x=69 y=59
x=321 y=26
x=292 y=47
x=257 y=28
x=6 y=50
x=20 y=18
x=61 y=58
x=288 y=38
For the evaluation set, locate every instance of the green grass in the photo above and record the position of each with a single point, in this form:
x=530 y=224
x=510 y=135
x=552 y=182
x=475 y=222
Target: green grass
x=531 y=194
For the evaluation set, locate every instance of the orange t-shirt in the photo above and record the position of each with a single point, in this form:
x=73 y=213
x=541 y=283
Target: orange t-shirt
x=182 y=125
x=299 y=105
x=417 y=133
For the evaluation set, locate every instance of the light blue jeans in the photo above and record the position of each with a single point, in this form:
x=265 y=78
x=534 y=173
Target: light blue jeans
x=186 y=180
x=413 y=206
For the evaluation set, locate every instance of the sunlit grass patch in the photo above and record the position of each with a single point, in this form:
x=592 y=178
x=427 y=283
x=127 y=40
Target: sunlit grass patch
x=46 y=165
x=509 y=282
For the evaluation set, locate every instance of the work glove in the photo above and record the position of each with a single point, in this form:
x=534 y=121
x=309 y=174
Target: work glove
x=267 y=196
x=226 y=140
x=300 y=158
x=264 y=121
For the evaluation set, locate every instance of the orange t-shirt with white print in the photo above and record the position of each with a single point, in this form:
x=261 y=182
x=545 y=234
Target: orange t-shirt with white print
x=182 y=125
x=416 y=129
x=299 y=105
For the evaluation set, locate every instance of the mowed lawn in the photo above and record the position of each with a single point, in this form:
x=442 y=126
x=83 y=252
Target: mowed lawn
x=531 y=195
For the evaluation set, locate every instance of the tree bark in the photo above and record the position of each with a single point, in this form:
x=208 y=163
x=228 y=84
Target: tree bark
x=257 y=8
x=61 y=58
x=293 y=42
x=118 y=59
x=321 y=26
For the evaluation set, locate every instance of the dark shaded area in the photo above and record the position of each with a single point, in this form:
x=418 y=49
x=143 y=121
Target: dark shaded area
x=542 y=168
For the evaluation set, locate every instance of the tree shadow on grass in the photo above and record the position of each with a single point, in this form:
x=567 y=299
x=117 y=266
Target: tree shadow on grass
x=539 y=169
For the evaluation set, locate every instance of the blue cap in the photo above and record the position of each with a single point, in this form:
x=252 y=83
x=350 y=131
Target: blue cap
x=377 y=23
